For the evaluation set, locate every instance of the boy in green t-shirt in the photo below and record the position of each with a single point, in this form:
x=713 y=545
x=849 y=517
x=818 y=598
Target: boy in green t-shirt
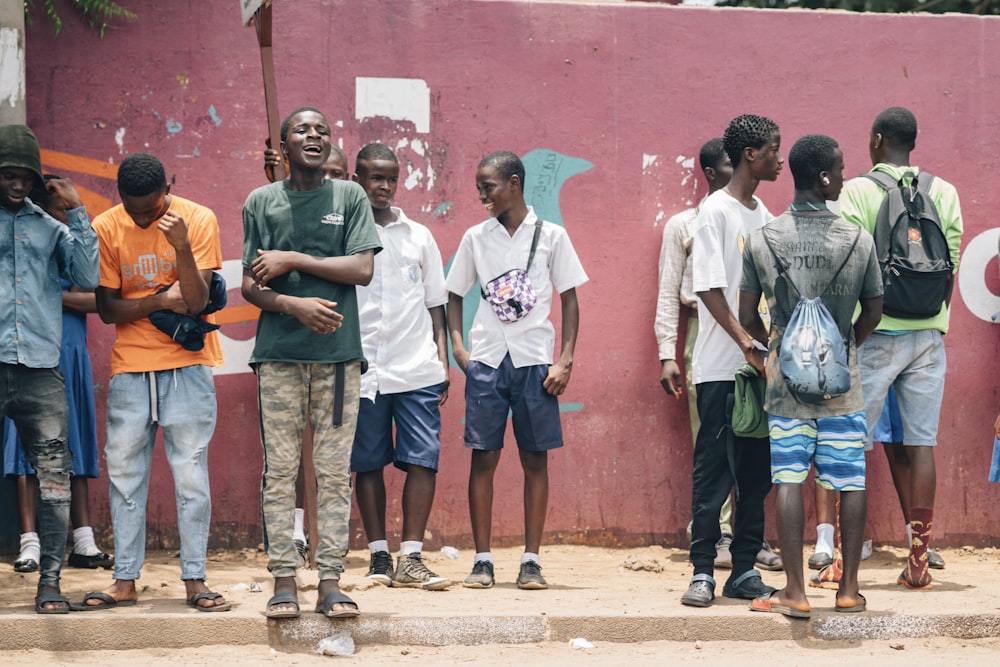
x=308 y=242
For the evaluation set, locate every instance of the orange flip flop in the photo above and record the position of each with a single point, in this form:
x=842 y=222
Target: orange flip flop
x=767 y=605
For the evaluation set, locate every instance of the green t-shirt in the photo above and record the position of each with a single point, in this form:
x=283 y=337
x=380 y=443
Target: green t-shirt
x=860 y=201
x=334 y=220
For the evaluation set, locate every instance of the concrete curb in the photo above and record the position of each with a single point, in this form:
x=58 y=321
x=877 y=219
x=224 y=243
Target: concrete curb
x=94 y=631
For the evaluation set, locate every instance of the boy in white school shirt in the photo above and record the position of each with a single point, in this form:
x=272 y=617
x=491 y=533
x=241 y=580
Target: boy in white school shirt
x=404 y=339
x=508 y=363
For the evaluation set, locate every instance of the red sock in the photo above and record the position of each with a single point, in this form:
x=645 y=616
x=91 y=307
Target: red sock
x=917 y=572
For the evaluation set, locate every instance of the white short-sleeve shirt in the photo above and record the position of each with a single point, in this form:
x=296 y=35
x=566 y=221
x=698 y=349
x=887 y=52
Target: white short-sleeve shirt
x=719 y=231
x=486 y=251
x=396 y=330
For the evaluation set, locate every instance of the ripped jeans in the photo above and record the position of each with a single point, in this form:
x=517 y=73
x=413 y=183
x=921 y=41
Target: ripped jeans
x=35 y=399
x=181 y=402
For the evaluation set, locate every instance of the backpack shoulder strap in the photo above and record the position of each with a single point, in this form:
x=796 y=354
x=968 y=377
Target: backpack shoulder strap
x=884 y=180
x=779 y=263
x=924 y=180
x=850 y=251
x=888 y=212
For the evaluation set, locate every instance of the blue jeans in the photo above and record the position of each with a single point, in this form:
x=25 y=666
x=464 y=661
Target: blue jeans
x=35 y=399
x=182 y=403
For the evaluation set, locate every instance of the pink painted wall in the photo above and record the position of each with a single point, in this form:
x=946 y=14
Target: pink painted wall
x=616 y=99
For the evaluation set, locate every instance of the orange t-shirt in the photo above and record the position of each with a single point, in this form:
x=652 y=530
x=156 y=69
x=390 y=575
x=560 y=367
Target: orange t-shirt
x=139 y=263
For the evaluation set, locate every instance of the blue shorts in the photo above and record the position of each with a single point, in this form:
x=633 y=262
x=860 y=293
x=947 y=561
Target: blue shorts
x=493 y=393
x=890 y=426
x=914 y=364
x=836 y=445
x=418 y=430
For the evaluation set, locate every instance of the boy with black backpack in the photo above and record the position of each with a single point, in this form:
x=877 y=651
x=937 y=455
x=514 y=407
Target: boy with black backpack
x=907 y=348
x=813 y=268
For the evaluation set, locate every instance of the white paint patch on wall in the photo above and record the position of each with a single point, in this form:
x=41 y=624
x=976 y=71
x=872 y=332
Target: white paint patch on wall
x=236 y=353
x=120 y=140
x=972 y=275
x=648 y=161
x=414 y=178
x=11 y=67
x=398 y=99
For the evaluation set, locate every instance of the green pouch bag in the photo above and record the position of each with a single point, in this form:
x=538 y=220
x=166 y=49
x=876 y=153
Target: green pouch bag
x=749 y=418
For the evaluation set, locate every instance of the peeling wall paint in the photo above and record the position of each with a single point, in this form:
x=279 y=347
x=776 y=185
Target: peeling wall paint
x=11 y=67
x=399 y=99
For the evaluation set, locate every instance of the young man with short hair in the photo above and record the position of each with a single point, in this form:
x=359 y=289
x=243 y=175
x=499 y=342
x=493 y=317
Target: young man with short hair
x=508 y=364
x=722 y=459
x=405 y=340
x=907 y=353
x=811 y=249
x=158 y=252
x=308 y=242
x=37 y=248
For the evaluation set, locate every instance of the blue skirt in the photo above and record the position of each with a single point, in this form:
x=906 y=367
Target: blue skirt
x=74 y=362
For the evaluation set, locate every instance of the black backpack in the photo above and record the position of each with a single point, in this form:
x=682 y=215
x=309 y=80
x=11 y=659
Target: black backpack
x=911 y=247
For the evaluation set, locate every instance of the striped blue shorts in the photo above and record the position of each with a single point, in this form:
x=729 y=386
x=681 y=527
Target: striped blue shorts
x=836 y=445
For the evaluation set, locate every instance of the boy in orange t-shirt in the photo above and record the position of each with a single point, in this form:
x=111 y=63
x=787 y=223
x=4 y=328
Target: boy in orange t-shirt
x=150 y=241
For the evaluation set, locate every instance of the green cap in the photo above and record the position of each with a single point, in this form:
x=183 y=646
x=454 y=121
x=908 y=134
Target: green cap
x=19 y=148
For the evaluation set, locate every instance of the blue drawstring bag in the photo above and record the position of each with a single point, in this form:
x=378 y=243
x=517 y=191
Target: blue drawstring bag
x=813 y=355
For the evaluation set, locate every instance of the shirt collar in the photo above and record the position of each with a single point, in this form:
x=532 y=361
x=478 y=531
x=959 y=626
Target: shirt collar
x=530 y=218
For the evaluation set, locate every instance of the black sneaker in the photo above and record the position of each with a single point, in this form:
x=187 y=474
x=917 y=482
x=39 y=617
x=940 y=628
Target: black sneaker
x=302 y=549
x=103 y=560
x=530 y=578
x=481 y=577
x=747 y=586
x=412 y=573
x=380 y=569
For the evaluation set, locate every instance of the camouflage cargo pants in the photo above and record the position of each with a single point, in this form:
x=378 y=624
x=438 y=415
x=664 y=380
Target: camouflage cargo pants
x=289 y=395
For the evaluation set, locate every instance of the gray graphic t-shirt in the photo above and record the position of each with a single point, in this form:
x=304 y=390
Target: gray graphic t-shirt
x=812 y=246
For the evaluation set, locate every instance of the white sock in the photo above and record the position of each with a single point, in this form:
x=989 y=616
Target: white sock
x=300 y=520
x=909 y=536
x=824 y=538
x=83 y=541
x=526 y=556
x=31 y=547
x=410 y=547
x=378 y=545
x=483 y=556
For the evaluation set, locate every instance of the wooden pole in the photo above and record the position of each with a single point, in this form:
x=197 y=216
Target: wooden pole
x=262 y=22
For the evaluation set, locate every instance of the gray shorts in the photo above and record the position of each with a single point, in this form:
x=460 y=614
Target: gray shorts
x=914 y=364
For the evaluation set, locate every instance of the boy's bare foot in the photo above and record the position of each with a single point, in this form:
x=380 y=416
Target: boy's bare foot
x=202 y=598
x=284 y=603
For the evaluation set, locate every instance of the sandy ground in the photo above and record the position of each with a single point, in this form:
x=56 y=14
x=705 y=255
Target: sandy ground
x=957 y=653
x=584 y=580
